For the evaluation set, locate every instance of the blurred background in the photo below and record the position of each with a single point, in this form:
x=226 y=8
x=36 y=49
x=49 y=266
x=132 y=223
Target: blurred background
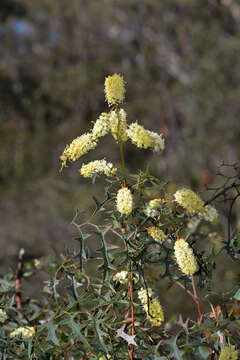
x=181 y=62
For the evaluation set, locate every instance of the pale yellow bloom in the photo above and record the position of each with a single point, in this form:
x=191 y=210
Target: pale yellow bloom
x=189 y=201
x=151 y=208
x=25 y=332
x=79 y=146
x=124 y=201
x=228 y=353
x=157 y=234
x=122 y=277
x=185 y=257
x=103 y=357
x=210 y=214
x=152 y=307
x=118 y=125
x=37 y=263
x=101 y=126
x=3 y=316
x=97 y=167
x=114 y=89
x=143 y=295
x=143 y=138
x=154 y=312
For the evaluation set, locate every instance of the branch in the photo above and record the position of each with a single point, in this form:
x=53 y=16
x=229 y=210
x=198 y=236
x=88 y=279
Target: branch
x=18 y=295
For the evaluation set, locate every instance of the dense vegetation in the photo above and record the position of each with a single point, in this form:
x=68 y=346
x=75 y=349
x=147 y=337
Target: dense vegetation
x=181 y=62
x=147 y=235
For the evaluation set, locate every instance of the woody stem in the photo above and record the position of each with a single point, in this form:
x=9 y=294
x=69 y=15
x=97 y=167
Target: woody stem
x=131 y=350
x=195 y=298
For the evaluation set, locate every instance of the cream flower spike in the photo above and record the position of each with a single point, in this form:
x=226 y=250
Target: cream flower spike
x=101 y=126
x=78 y=147
x=145 y=139
x=229 y=353
x=97 y=167
x=157 y=234
x=124 y=201
x=118 y=125
x=114 y=89
x=185 y=257
x=190 y=201
x=151 y=306
x=25 y=332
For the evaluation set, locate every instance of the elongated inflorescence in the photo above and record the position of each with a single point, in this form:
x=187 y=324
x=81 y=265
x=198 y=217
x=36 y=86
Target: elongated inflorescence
x=157 y=234
x=3 y=316
x=210 y=214
x=151 y=306
x=151 y=209
x=118 y=125
x=114 y=89
x=143 y=138
x=124 y=201
x=98 y=167
x=185 y=257
x=78 y=147
x=228 y=353
x=24 y=332
x=190 y=201
x=101 y=126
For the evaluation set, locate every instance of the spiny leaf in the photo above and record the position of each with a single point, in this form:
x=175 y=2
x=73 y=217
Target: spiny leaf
x=99 y=334
x=106 y=266
x=81 y=254
x=52 y=332
x=76 y=329
x=175 y=352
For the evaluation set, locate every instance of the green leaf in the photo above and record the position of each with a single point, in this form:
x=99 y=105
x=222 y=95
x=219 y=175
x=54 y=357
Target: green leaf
x=29 y=347
x=76 y=329
x=175 y=352
x=204 y=352
x=106 y=266
x=237 y=295
x=81 y=255
x=99 y=334
x=52 y=332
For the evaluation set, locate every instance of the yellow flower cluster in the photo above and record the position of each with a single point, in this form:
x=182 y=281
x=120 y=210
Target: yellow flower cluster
x=25 y=332
x=185 y=257
x=101 y=126
x=118 y=125
x=114 y=122
x=189 y=201
x=103 y=357
x=114 y=89
x=124 y=201
x=79 y=146
x=3 y=316
x=157 y=234
x=152 y=307
x=122 y=277
x=97 y=167
x=143 y=138
x=155 y=312
x=210 y=214
x=151 y=208
x=144 y=294
x=228 y=353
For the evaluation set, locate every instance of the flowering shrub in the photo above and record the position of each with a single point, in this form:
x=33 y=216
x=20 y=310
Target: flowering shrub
x=114 y=313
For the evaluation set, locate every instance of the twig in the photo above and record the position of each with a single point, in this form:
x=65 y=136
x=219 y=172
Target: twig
x=18 y=281
x=130 y=277
x=195 y=298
